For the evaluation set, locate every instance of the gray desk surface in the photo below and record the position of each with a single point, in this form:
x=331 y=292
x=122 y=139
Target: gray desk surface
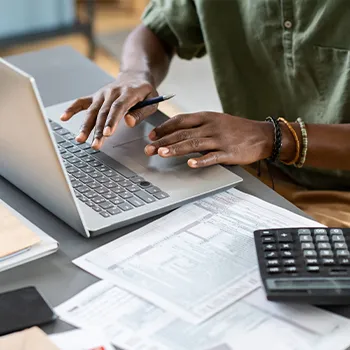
x=63 y=74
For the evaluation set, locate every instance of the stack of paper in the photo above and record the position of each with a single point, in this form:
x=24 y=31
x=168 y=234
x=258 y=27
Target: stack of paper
x=20 y=240
x=190 y=280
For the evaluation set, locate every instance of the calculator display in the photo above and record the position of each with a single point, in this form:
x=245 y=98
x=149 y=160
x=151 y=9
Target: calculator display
x=308 y=283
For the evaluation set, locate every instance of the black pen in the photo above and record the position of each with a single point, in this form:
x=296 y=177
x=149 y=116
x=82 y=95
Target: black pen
x=151 y=101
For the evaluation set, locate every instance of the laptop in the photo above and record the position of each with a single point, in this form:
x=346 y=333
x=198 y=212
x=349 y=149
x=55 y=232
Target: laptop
x=92 y=191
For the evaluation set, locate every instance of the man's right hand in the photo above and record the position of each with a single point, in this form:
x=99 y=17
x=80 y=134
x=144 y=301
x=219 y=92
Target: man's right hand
x=111 y=103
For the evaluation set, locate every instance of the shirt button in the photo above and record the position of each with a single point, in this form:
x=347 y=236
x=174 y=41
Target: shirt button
x=288 y=24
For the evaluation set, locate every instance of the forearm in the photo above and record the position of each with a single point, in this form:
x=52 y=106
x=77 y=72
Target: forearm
x=144 y=52
x=328 y=145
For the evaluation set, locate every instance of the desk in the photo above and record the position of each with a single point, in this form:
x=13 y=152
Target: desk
x=63 y=74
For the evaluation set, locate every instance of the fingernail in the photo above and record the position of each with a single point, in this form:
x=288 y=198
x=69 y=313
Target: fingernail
x=192 y=163
x=130 y=120
x=152 y=135
x=149 y=149
x=107 y=131
x=80 y=137
x=63 y=116
x=163 y=150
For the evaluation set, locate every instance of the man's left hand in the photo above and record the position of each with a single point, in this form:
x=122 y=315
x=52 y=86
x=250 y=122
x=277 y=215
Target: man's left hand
x=227 y=139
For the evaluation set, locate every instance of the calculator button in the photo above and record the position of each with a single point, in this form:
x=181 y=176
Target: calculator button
x=311 y=261
x=263 y=233
x=285 y=237
x=343 y=253
x=288 y=262
x=321 y=238
x=287 y=254
x=273 y=270
x=269 y=247
x=304 y=231
x=271 y=255
x=290 y=269
x=338 y=238
x=328 y=262
x=305 y=246
x=336 y=231
x=286 y=246
x=271 y=263
x=340 y=246
x=304 y=238
x=268 y=240
x=313 y=268
x=344 y=261
x=323 y=246
x=320 y=231
x=326 y=253
x=310 y=253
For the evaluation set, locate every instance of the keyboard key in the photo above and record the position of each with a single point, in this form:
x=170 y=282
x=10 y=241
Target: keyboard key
x=72 y=169
x=286 y=246
x=78 y=195
x=290 y=269
x=86 y=180
x=145 y=196
x=161 y=195
x=320 y=231
x=86 y=158
x=102 y=179
x=118 y=189
x=285 y=237
x=83 y=189
x=93 y=185
x=287 y=254
x=62 y=132
x=125 y=206
x=89 y=170
x=340 y=245
x=109 y=195
x=66 y=145
x=268 y=240
x=104 y=214
x=102 y=168
x=80 y=154
x=125 y=195
x=271 y=255
x=268 y=247
x=117 y=200
x=326 y=253
x=337 y=238
x=96 y=208
x=136 y=179
x=98 y=199
x=80 y=164
x=328 y=261
x=133 y=188
x=95 y=163
x=67 y=155
x=69 y=137
x=309 y=246
x=108 y=161
x=89 y=203
x=266 y=233
x=304 y=231
x=343 y=253
x=273 y=270
x=59 y=139
x=114 y=211
x=136 y=202
x=55 y=126
x=271 y=263
x=344 y=261
x=79 y=174
x=117 y=178
x=310 y=253
x=92 y=151
x=313 y=268
x=335 y=231
x=152 y=190
x=288 y=262
x=73 y=160
x=125 y=183
x=106 y=205
x=101 y=190
x=110 y=184
x=323 y=246
x=110 y=173
x=84 y=146
x=74 y=149
x=90 y=194
x=304 y=238
x=74 y=141
x=311 y=261
x=321 y=238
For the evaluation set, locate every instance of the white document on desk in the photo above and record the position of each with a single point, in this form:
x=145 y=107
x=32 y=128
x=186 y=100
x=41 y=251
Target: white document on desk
x=131 y=323
x=196 y=260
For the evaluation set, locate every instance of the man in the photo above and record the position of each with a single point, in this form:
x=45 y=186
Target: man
x=270 y=58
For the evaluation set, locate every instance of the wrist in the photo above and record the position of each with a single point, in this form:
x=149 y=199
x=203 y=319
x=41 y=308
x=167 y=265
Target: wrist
x=289 y=147
x=143 y=74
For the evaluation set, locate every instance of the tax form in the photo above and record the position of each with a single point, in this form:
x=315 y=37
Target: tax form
x=195 y=261
x=132 y=323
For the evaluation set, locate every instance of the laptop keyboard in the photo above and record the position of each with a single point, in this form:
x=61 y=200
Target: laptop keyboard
x=101 y=182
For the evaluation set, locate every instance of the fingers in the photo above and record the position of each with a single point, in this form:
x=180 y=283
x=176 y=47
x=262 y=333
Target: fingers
x=181 y=121
x=79 y=105
x=135 y=117
x=90 y=120
x=211 y=158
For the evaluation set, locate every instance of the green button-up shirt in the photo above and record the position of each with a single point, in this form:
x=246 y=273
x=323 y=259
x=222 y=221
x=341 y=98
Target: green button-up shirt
x=269 y=57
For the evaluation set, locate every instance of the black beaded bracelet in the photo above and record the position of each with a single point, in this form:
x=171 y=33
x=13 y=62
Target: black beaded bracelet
x=277 y=145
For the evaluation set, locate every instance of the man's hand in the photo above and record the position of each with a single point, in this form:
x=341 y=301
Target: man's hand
x=228 y=139
x=111 y=103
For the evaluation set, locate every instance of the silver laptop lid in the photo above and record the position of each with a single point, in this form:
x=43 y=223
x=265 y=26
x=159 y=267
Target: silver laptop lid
x=28 y=156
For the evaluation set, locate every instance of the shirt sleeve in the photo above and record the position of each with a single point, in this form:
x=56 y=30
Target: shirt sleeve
x=176 y=22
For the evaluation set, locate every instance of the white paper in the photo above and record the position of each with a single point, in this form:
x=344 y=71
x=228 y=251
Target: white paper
x=196 y=260
x=47 y=245
x=132 y=323
x=80 y=340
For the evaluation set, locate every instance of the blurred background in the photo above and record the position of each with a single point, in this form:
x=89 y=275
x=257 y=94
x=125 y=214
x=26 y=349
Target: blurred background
x=97 y=29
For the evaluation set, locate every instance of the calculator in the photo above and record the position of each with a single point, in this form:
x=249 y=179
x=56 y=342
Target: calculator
x=305 y=265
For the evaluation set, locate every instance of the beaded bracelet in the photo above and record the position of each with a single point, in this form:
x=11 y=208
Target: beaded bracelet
x=296 y=139
x=302 y=159
x=277 y=145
